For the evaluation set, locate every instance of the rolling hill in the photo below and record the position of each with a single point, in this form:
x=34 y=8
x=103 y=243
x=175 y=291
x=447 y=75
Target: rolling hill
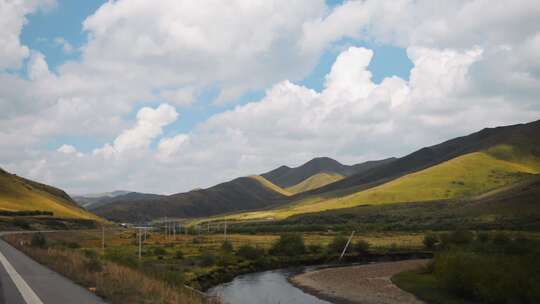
x=286 y=177
x=244 y=193
x=459 y=168
x=241 y=194
x=20 y=194
x=316 y=181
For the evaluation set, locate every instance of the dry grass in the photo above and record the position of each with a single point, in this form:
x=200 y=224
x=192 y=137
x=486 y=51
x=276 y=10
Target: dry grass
x=115 y=283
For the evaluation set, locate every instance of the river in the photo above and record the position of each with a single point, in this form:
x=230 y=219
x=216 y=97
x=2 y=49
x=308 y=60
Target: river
x=268 y=287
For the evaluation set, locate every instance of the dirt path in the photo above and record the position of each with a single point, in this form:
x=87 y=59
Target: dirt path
x=365 y=284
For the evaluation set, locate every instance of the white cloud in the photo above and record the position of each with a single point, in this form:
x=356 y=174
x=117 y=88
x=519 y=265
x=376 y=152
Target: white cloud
x=67 y=149
x=475 y=65
x=66 y=46
x=169 y=146
x=12 y=19
x=150 y=123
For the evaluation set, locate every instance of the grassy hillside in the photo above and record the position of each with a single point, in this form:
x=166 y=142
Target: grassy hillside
x=266 y=183
x=244 y=193
x=19 y=194
x=315 y=181
x=522 y=139
x=465 y=176
x=286 y=177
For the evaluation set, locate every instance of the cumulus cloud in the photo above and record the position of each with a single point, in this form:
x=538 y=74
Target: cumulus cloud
x=150 y=123
x=12 y=19
x=475 y=65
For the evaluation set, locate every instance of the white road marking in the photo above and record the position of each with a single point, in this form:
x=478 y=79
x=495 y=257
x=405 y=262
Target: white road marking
x=29 y=296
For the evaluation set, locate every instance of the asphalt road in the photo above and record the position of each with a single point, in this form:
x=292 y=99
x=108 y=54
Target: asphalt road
x=24 y=281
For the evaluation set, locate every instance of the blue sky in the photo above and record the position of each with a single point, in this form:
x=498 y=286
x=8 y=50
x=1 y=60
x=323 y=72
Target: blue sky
x=171 y=95
x=65 y=20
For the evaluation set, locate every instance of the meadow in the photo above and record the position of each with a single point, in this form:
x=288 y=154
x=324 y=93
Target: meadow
x=201 y=261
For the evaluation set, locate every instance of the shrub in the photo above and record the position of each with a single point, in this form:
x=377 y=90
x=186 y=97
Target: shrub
x=430 y=240
x=361 y=247
x=249 y=252
x=461 y=237
x=207 y=259
x=39 y=240
x=93 y=265
x=315 y=248
x=289 y=244
x=337 y=244
x=227 y=246
x=482 y=237
x=179 y=255
x=159 y=251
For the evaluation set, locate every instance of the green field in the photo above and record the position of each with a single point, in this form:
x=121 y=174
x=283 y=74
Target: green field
x=314 y=182
x=465 y=176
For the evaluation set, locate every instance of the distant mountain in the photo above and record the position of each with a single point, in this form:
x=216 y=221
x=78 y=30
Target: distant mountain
x=287 y=177
x=92 y=200
x=456 y=169
x=244 y=193
x=241 y=194
x=21 y=194
x=524 y=137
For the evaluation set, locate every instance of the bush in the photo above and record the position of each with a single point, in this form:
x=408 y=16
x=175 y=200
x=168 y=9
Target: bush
x=227 y=246
x=249 y=252
x=430 y=240
x=39 y=240
x=207 y=259
x=314 y=248
x=159 y=251
x=483 y=237
x=289 y=245
x=93 y=265
x=337 y=244
x=179 y=255
x=461 y=237
x=489 y=278
x=361 y=247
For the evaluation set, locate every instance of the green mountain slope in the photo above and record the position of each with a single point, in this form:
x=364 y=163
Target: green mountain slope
x=314 y=182
x=20 y=194
x=464 y=176
x=286 y=177
x=523 y=138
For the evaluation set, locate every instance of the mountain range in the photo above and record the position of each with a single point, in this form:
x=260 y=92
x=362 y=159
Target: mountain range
x=455 y=170
x=240 y=194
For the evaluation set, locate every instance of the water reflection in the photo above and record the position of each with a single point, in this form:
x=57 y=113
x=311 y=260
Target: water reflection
x=269 y=287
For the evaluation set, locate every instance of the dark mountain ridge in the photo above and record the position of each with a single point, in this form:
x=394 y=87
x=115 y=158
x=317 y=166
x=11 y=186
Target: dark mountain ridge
x=286 y=177
x=523 y=136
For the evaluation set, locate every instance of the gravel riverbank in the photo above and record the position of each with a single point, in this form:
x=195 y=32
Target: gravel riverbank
x=366 y=284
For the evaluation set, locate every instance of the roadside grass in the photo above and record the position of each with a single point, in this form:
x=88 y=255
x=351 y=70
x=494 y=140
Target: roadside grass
x=200 y=261
x=314 y=182
x=114 y=282
x=465 y=176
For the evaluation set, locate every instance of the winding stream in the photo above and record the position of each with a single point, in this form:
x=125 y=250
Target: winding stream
x=268 y=287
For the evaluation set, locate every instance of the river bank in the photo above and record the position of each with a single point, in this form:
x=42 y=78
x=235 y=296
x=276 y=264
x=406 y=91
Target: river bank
x=359 y=284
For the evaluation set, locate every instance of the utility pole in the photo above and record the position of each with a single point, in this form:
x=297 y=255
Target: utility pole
x=346 y=246
x=102 y=239
x=174 y=231
x=225 y=230
x=140 y=243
